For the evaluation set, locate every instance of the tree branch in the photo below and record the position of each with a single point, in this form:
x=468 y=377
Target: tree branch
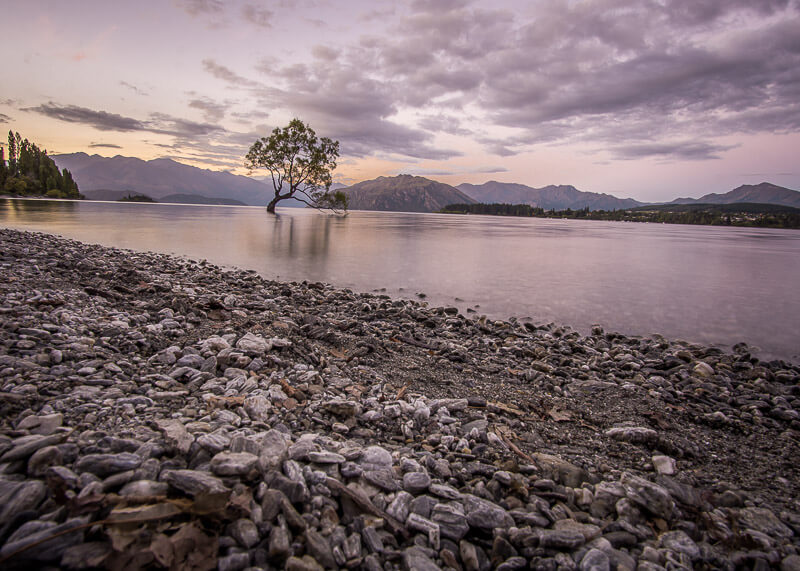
x=318 y=207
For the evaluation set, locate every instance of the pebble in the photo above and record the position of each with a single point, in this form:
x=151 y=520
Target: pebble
x=305 y=427
x=194 y=482
x=451 y=519
x=106 y=464
x=679 y=542
x=648 y=495
x=416 y=482
x=415 y=559
x=595 y=560
x=664 y=464
x=233 y=463
x=375 y=458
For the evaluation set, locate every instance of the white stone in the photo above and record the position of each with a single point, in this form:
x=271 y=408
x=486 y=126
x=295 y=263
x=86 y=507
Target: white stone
x=251 y=343
x=664 y=465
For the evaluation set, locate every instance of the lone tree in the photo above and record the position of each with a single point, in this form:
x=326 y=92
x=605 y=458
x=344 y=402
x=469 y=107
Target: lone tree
x=300 y=165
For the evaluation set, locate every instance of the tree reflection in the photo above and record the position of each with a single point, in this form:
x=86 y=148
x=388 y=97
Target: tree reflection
x=13 y=209
x=307 y=236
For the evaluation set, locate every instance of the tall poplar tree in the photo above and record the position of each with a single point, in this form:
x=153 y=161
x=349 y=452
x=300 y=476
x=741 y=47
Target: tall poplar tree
x=12 y=154
x=31 y=172
x=3 y=169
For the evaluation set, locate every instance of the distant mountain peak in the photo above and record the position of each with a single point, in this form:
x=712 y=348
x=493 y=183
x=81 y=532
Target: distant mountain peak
x=403 y=193
x=761 y=193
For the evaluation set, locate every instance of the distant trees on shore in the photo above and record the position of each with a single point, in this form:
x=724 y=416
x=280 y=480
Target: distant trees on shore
x=28 y=171
x=735 y=214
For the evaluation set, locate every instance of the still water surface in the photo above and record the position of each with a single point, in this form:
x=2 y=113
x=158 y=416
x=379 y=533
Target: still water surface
x=700 y=283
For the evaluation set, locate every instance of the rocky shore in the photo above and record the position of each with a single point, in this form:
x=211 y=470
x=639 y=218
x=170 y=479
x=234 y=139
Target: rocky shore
x=157 y=412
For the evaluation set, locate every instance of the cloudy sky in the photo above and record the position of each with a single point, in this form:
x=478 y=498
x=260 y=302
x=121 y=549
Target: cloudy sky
x=643 y=99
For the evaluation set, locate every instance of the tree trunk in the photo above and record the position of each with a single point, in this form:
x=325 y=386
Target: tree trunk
x=271 y=205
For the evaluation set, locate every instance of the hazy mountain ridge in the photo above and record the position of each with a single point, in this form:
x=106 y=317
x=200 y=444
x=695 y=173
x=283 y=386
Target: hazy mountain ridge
x=104 y=178
x=403 y=193
x=763 y=193
x=159 y=178
x=558 y=197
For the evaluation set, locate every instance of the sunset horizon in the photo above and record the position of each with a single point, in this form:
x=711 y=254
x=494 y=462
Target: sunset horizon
x=643 y=101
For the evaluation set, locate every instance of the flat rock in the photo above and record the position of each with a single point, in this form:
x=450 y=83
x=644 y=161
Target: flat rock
x=664 y=464
x=561 y=538
x=444 y=491
x=106 y=464
x=194 y=482
x=595 y=560
x=416 y=482
x=341 y=407
x=253 y=344
x=415 y=559
x=486 y=515
x=18 y=497
x=652 y=497
x=679 y=542
x=325 y=457
x=634 y=435
x=233 y=463
x=176 y=435
x=320 y=549
x=400 y=506
x=562 y=471
x=258 y=407
x=50 y=550
x=382 y=479
x=245 y=532
x=762 y=520
x=24 y=446
x=41 y=424
x=375 y=458
x=451 y=519
x=144 y=488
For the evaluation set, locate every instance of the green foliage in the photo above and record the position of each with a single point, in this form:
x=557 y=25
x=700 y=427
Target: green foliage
x=300 y=164
x=30 y=172
x=16 y=185
x=334 y=200
x=738 y=214
x=3 y=168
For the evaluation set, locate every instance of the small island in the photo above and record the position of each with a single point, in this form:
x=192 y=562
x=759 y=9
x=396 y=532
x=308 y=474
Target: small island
x=135 y=198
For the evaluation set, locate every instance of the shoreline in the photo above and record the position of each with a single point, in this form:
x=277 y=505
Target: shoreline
x=350 y=418
x=627 y=313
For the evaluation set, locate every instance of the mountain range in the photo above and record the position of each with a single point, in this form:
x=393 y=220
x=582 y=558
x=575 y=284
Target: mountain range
x=558 y=197
x=166 y=180
x=765 y=193
x=159 y=178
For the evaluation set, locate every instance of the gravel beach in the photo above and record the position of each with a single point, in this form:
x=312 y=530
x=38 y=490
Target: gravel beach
x=157 y=412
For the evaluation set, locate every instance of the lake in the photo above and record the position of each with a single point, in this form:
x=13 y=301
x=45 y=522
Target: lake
x=705 y=284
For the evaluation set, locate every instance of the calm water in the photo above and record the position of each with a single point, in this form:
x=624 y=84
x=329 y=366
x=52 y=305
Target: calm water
x=705 y=284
